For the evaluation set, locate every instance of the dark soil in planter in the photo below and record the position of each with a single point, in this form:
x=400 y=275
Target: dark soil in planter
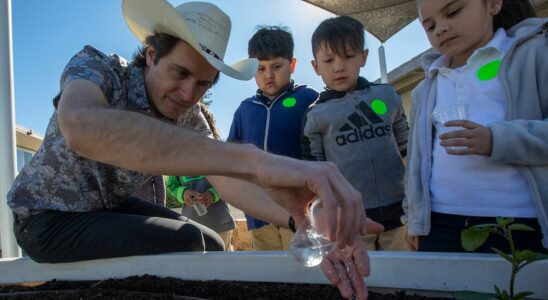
x=152 y=287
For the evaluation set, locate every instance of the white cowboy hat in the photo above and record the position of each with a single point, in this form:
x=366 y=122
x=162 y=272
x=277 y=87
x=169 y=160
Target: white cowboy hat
x=202 y=25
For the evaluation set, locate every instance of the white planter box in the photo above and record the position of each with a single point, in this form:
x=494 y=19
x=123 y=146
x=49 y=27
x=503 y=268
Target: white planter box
x=445 y=272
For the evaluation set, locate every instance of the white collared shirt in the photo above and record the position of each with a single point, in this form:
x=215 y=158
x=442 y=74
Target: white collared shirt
x=472 y=185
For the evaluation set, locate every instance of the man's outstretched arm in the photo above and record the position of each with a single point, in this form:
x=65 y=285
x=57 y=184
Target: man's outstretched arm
x=141 y=143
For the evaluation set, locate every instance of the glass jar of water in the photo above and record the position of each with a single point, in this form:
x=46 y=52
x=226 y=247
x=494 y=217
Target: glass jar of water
x=310 y=244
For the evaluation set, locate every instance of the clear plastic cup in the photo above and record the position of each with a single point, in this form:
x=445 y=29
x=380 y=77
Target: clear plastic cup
x=309 y=244
x=200 y=209
x=446 y=114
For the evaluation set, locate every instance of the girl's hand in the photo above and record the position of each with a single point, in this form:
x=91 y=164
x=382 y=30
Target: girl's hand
x=412 y=242
x=206 y=198
x=191 y=196
x=477 y=139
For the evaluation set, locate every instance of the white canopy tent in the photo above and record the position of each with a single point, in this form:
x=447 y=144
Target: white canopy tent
x=385 y=18
x=7 y=131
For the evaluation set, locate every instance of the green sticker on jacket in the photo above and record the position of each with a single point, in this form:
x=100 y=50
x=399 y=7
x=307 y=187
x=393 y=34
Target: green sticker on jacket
x=489 y=71
x=289 y=102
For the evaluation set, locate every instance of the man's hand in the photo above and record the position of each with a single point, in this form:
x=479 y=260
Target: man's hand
x=346 y=267
x=477 y=139
x=293 y=184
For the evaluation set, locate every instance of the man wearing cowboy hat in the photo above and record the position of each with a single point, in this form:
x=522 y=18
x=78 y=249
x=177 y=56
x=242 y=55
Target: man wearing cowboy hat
x=116 y=124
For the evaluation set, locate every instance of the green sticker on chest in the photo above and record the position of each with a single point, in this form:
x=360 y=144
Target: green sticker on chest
x=379 y=107
x=289 y=102
x=489 y=71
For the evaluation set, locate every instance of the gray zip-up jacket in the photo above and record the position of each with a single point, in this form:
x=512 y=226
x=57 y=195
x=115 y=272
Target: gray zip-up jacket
x=521 y=139
x=364 y=133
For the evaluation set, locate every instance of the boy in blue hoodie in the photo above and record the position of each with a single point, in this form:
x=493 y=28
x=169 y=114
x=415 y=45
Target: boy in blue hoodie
x=271 y=119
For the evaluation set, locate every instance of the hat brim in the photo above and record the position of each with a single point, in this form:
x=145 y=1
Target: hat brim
x=144 y=17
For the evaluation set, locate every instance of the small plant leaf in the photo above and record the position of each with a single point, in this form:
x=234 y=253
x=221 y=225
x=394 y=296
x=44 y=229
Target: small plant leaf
x=516 y=256
x=485 y=227
x=497 y=290
x=520 y=227
x=472 y=239
x=475 y=236
x=468 y=295
x=531 y=256
x=522 y=295
x=526 y=255
x=503 y=222
x=541 y=256
x=504 y=295
x=507 y=257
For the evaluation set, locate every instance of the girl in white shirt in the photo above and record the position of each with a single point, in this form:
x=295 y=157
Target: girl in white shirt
x=457 y=182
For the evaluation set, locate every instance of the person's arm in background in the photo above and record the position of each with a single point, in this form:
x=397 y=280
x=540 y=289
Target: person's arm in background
x=175 y=189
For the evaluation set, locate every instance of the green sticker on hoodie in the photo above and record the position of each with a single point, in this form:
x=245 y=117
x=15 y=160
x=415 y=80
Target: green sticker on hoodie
x=379 y=107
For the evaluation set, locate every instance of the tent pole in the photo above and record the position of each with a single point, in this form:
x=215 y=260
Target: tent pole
x=382 y=62
x=7 y=131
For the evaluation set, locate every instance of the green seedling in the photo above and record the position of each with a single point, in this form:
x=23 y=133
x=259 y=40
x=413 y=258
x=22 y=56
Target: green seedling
x=473 y=237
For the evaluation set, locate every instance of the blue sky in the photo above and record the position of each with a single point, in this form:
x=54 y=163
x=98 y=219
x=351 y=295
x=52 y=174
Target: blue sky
x=46 y=34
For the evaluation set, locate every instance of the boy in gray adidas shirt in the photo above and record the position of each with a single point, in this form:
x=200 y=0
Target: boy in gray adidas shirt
x=360 y=126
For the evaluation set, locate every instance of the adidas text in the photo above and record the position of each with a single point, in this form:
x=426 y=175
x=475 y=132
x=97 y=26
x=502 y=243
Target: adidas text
x=357 y=135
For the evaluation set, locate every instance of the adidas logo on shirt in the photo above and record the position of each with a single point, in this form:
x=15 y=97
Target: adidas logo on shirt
x=360 y=126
